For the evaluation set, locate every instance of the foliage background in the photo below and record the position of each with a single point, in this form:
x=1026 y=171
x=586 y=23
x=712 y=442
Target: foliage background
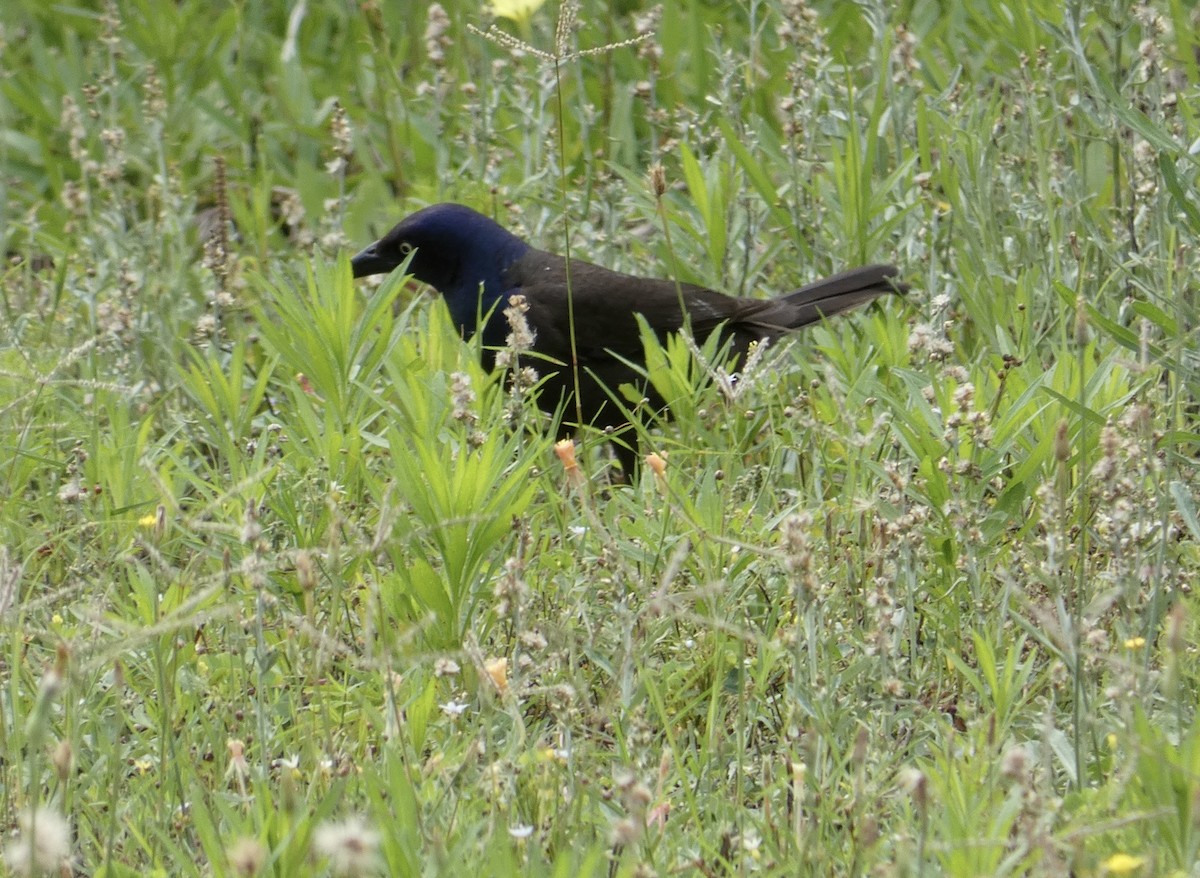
x=288 y=586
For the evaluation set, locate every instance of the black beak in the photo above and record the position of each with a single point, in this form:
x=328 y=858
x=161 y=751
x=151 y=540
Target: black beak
x=370 y=261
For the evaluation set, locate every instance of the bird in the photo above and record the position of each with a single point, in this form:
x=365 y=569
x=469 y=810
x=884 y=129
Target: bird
x=478 y=266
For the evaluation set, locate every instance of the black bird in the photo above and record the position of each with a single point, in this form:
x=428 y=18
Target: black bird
x=477 y=265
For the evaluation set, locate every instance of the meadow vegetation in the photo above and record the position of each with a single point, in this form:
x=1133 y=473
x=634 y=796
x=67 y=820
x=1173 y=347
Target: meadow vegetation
x=290 y=586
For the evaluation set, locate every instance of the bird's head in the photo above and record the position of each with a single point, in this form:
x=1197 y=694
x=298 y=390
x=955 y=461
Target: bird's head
x=457 y=250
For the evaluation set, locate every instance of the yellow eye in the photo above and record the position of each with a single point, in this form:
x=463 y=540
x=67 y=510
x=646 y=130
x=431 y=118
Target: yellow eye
x=405 y=248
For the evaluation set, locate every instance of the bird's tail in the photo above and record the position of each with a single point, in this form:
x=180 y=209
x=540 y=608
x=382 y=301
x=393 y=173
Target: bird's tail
x=833 y=295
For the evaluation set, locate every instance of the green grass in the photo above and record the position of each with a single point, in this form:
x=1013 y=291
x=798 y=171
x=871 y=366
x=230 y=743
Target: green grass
x=284 y=575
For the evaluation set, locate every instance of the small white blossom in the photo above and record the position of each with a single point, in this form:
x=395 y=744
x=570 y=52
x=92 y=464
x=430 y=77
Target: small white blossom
x=43 y=844
x=351 y=846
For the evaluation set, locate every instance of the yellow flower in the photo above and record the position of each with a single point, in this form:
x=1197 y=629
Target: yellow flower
x=519 y=11
x=1135 y=642
x=1122 y=864
x=497 y=670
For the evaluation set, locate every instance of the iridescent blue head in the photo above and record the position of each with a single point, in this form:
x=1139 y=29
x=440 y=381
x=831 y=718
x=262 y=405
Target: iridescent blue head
x=459 y=252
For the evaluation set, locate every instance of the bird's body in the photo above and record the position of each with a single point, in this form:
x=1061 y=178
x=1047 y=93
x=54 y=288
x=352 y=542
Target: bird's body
x=477 y=266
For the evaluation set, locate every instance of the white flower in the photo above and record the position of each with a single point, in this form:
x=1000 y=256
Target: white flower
x=42 y=845
x=454 y=708
x=351 y=846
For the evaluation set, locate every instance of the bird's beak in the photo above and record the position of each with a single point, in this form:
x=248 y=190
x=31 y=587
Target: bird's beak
x=370 y=261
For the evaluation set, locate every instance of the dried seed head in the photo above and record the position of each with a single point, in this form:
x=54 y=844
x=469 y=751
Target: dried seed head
x=246 y=857
x=251 y=529
x=522 y=336
x=566 y=25
x=646 y=26
x=625 y=832
x=914 y=782
x=1062 y=442
x=351 y=846
x=1081 y=322
x=1176 y=640
x=445 y=667
x=861 y=740
x=1015 y=764
x=463 y=399
x=306 y=575
x=437 y=35
x=339 y=127
x=63 y=758
x=658 y=180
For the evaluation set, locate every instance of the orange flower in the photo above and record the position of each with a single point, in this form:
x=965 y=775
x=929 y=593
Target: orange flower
x=565 y=449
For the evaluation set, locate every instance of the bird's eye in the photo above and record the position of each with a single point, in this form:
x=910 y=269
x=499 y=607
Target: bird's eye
x=405 y=248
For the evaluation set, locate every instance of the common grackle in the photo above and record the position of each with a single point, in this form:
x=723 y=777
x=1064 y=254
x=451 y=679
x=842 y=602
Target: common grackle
x=477 y=265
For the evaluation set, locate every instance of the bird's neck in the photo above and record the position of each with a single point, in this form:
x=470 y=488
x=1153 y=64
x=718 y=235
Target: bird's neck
x=479 y=295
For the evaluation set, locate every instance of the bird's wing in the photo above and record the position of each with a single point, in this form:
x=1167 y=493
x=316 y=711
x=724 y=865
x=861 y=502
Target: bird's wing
x=604 y=303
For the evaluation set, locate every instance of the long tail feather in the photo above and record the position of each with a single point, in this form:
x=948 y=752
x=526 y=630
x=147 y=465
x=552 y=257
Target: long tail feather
x=832 y=295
